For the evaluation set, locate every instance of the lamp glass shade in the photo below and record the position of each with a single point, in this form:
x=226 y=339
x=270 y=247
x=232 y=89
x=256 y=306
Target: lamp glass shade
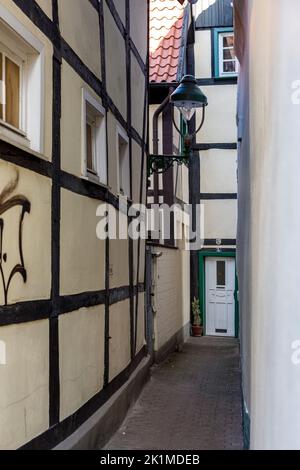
x=188 y=97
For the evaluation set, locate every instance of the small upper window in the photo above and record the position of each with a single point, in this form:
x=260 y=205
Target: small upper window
x=10 y=76
x=226 y=63
x=94 y=138
x=221 y=274
x=21 y=83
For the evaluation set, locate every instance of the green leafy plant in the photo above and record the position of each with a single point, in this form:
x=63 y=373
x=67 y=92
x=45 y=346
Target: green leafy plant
x=197 y=320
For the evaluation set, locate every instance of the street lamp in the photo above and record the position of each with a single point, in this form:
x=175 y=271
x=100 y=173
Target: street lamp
x=186 y=98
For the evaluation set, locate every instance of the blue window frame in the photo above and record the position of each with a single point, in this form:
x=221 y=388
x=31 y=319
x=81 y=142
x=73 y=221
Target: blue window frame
x=225 y=62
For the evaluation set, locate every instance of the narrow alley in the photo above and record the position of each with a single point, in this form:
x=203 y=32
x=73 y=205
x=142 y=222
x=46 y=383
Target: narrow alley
x=192 y=401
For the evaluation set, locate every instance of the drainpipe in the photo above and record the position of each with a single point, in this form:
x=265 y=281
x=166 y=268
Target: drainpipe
x=159 y=110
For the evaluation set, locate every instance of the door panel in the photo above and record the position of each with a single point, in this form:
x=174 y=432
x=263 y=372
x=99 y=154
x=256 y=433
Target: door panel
x=220 y=304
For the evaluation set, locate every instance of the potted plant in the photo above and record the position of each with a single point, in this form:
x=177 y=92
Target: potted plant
x=197 y=327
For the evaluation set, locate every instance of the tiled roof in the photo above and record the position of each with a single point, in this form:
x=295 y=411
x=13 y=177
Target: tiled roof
x=166 y=25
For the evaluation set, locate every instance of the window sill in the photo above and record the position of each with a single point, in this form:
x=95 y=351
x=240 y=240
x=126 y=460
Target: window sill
x=95 y=179
x=20 y=143
x=15 y=135
x=226 y=77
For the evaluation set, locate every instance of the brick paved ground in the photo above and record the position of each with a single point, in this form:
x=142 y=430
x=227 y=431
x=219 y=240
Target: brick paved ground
x=192 y=401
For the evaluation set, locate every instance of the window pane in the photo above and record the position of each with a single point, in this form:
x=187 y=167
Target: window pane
x=221 y=277
x=229 y=66
x=12 y=84
x=228 y=54
x=1 y=88
x=89 y=147
x=228 y=41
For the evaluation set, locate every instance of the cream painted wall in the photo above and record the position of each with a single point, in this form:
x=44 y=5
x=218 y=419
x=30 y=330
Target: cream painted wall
x=36 y=235
x=218 y=171
x=82 y=257
x=81 y=31
x=119 y=344
x=115 y=53
x=138 y=84
x=268 y=232
x=220 y=121
x=46 y=6
x=119 y=257
x=203 y=54
x=24 y=391
x=120 y=7
x=138 y=10
x=171 y=288
x=220 y=219
x=81 y=345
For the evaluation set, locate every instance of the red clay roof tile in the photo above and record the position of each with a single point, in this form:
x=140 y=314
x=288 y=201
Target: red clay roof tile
x=166 y=23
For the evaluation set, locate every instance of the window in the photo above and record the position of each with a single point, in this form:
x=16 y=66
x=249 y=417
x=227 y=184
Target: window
x=221 y=274
x=10 y=76
x=94 y=140
x=226 y=63
x=21 y=83
x=124 y=170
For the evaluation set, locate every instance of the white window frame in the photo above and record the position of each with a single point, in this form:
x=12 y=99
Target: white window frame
x=21 y=63
x=100 y=152
x=121 y=133
x=31 y=131
x=221 y=35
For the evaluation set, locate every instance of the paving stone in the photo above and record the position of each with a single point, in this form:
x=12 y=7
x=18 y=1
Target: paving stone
x=192 y=401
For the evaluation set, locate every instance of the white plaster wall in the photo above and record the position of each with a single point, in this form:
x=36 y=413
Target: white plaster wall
x=268 y=256
x=218 y=171
x=81 y=346
x=203 y=54
x=24 y=391
x=220 y=120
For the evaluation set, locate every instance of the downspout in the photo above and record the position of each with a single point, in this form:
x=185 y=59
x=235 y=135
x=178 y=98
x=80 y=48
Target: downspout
x=158 y=111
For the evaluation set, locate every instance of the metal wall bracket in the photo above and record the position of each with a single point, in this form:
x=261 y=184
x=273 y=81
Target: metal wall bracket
x=161 y=163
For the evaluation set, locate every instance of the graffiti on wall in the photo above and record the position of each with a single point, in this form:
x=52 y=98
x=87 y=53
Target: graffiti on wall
x=12 y=212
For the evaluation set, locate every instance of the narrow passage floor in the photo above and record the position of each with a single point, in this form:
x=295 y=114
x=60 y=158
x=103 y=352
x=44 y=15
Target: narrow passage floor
x=192 y=401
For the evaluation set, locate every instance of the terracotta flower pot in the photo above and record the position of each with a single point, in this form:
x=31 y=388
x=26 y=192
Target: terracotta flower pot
x=197 y=330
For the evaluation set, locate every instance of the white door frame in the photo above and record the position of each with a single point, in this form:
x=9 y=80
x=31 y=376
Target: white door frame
x=203 y=257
